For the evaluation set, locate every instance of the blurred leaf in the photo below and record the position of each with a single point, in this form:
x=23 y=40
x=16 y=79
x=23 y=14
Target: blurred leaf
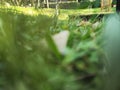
x=53 y=46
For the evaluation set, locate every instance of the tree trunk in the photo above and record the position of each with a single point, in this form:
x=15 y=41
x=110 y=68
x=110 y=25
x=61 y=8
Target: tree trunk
x=37 y=4
x=47 y=2
x=77 y=1
x=16 y=2
x=106 y=4
x=57 y=8
x=118 y=6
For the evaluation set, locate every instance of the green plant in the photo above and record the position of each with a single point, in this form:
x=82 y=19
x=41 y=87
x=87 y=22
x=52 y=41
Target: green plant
x=30 y=60
x=83 y=54
x=26 y=62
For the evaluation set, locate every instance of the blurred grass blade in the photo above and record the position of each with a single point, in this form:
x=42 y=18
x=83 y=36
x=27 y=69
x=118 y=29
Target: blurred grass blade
x=53 y=46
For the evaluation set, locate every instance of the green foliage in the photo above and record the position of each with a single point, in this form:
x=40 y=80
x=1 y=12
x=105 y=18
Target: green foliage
x=84 y=4
x=30 y=60
x=26 y=63
x=71 y=5
x=83 y=54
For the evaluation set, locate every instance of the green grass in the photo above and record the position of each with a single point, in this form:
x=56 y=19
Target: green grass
x=64 y=13
x=42 y=66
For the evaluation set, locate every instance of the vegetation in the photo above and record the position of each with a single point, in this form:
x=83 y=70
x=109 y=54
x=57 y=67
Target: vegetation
x=32 y=57
x=63 y=4
x=27 y=63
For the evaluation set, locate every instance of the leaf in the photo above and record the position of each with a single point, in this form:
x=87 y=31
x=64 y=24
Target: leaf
x=70 y=56
x=52 y=46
